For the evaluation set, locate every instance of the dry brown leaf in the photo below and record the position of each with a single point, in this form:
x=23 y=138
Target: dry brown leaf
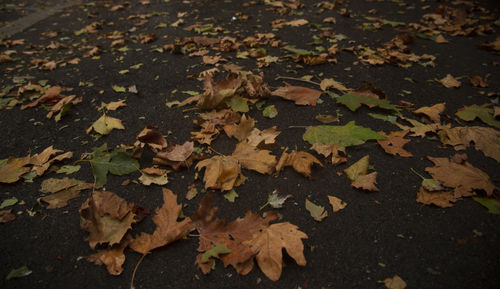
x=207 y=133
x=211 y=60
x=357 y=173
x=179 y=153
x=441 y=198
x=394 y=143
x=13 y=169
x=112 y=257
x=337 y=204
x=114 y=105
x=168 y=229
x=153 y=176
x=331 y=83
x=331 y=149
x=450 y=82
x=264 y=137
x=6 y=216
x=70 y=99
x=300 y=161
x=297 y=22
x=432 y=112
x=221 y=172
x=395 y=283
x=463 y=177
x=154 y=139
x=242 y=130
x=477 y=81
x=62 y=190
x=485 y=139
x=300 y=95
x=106 y=217
x=42 y=161
x=252 y=158
x=50 y=95
x=269 y=243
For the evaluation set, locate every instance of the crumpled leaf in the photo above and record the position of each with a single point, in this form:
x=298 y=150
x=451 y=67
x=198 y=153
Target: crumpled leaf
x=264 y=137
x=485 y=139
x=347 y=135
x=252 y=158
x=331 y=83
x=432 y=112
x=269 y=243
x=336 y=203
x=62 y=190
x=483 y=112
x=216 y=93
x=112 y=257
x=242 y=130
x=357 y=173
x=477 y=81
x=154 y=139
x=221 y=172
x=317 y=212
x=275 y=200
x=106 y=217
x=105 y=124
x=300 y=161
x=179 y=153
x=328 y=118
x=395 y=283
x=462 y=177
x=299 y=94
x=153 y=176
x=394 y=143
x=450 y=82
x=42 y=161
x=168 y=229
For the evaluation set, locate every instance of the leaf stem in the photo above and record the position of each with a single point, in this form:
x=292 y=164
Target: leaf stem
x=297 y=79
x=135 y=270
x=263 y=206
x=415 y=172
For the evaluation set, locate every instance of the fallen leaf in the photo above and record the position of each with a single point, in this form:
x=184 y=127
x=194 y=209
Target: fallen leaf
x=118 y=88
x=118 y=162
x=18 y=273
x=221 y=172
x=336 y=203
x=275 y=200
x=252 y=158
x=153 y=138
x=395 y=283
x=477 y=81
x=492 y=205
x=106 y=217
x=297 y=22
x=270 y=111
x=483 y=112
x=442 y=199
x=328 y=118
x=317 y=212
x=242 y=130
x=331 y=83
x=432 y=112
x=231 y=195
x=6 y=216
x=394 y=143
x=485 y=139
x=450 y=82
x=264 y=137
x=68 y=169
x=8 y=202
x=463 y=178
x=300 y=161
x=153 y=176
x=214 y=252
x=331 y=149
x=357 y=173
x=114 y=105
x=62 y=190
x=179 y=153
x=347 y=135
x=112 y=257
x=300 y=95
x=168 y=229
x=105 y=124
x=13 y=169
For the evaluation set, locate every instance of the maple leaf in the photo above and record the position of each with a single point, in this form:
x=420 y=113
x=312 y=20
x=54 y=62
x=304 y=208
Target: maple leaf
x=300 y=95
x=221 y=172
x=269 y=243
x=112 y=257
x=463 y=177
x=42 y=161
x=418 y=129
x=62 y=190
x=354 y=99
x=215 y=231
x=13 y=169
x=331 y=149
x=300 y=161
x=485 y=139
x=432 y=112
x=207 y=133
x=264 y=137
x=252 y=158
x=242 y=130
x=106 y=217
x=357 y=173
x=450 y=82
x=394 y=143
x=105 y=124
x=168 y=229
x=275 y=200
x=336 y=203
x=483 y=112
x=118 y=162
x=441 y=199
x=216 y=93
x=317 y=212
x=344 y=136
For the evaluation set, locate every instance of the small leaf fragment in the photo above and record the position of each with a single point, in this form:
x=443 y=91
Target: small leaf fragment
x=336 y=203
x=231 y=197
x=19 y=272
x=270 y=111
x=492 y=205
x=317 y=212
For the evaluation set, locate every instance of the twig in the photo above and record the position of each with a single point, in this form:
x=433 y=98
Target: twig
x=297 y=79
x=415 y=172
x=135 y=270
x=190 y=109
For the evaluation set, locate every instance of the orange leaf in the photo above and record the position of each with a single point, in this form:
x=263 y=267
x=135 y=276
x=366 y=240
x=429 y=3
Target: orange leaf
x=394 y=143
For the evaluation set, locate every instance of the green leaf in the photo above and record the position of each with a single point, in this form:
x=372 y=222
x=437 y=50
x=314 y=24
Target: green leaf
x=19 y=272
x=492 y=205
x=358 y=168
x=137 y=66
x=303 y=52
x=190 y=92
x=231 y=196
x=386 y=117
x=353 y=101
x=64 y=110
x=28 y=177
x=270 y=111
x=117 y=88
x=8 y=202
x=238 y=104
x=68 y=169
x=393 y=23
x=124 y=71
x=483 y=112
x=347 y=135
x=217 y=250
x=117 y=162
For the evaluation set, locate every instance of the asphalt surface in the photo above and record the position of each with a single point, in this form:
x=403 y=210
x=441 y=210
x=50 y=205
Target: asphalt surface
x=378 y=235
